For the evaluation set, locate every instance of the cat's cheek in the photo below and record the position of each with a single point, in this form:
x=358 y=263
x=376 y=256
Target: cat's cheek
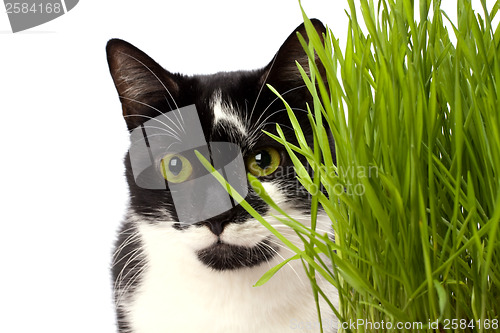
x=274 y=191
x=165 y=238
x=247 y=234
x=197 y=238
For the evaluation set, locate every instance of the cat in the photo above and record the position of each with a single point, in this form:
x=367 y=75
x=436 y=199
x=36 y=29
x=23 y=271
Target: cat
x=187 y=256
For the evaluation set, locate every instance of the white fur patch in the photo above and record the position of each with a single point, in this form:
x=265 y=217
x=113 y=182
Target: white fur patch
x=224 y=113
x=178 y=293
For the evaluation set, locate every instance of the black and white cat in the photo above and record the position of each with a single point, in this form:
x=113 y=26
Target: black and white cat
x=172 y=276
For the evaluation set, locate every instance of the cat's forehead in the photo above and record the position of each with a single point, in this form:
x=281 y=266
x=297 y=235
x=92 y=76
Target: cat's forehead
x=227 y=115
x=236 y=107
x=239 y=118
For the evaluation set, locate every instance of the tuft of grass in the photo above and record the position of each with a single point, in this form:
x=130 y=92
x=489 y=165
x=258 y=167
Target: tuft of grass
x=414 y=195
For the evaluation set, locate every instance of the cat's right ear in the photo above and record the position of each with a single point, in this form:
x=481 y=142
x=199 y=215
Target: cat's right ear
x=140 y=81
x=283 y=71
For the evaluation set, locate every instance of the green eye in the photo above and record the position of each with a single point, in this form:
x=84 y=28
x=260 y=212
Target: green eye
x=176 y=168
x=263 y=162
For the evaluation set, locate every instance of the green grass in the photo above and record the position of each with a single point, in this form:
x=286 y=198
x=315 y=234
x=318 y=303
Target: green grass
x=416 y=121
x=414 y=195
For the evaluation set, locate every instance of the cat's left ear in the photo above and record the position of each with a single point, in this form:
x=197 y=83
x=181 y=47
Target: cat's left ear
x=140 y=81
x=282 y=70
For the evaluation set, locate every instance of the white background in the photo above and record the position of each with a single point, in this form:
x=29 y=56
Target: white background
x=62 y=138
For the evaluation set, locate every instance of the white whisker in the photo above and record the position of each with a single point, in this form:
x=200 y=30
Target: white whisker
x=262 y=86
x=287 y=264
x=149 y=69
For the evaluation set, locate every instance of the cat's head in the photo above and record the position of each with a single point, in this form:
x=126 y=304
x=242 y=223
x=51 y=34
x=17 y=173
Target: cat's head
x=224 y=115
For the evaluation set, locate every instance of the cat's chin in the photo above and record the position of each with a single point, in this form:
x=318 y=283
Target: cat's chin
x=222 y=256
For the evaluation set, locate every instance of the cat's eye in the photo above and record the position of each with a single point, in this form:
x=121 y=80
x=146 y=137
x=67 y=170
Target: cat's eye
x=176 y=168
x=263 y=162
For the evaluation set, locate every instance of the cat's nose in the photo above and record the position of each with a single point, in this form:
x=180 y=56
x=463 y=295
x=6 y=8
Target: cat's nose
x=216 y=227
x=217 y=223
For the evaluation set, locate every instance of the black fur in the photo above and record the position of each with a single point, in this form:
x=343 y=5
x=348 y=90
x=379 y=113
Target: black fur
x=225 y=256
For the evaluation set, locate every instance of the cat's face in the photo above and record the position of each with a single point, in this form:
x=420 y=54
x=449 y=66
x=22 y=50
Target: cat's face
x=230 y=111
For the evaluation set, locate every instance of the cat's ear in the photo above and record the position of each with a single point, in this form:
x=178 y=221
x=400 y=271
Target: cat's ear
x=282 y=70
x=140 y=81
